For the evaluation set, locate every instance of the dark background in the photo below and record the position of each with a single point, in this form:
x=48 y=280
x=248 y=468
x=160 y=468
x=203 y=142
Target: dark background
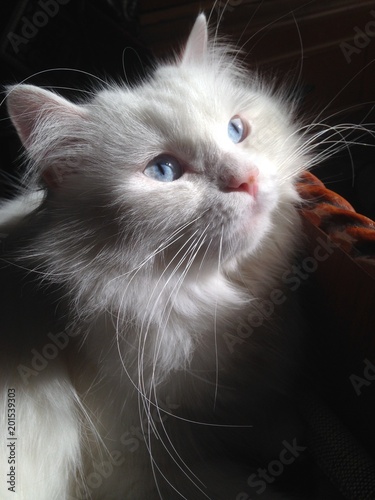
x=324 y=48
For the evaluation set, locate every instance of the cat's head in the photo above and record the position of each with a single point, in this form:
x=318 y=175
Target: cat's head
x=200 y=158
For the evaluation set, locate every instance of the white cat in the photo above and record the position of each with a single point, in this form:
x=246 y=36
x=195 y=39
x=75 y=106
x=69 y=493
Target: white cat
x=147 y=339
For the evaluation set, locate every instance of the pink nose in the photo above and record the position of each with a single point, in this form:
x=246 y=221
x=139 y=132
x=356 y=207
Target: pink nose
x=248 y=184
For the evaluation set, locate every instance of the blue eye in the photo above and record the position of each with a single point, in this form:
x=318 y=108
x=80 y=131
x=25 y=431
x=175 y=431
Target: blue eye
x=237 y=130
x=164 y=169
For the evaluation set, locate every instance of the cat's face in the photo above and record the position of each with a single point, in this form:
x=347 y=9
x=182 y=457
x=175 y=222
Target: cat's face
x=199 y=152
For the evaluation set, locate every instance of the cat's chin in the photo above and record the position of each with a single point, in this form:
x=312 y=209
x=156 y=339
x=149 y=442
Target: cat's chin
x=244 y=238
x=254 y=220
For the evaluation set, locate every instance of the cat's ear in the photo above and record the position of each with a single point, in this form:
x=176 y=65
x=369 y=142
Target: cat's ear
x=41 y=119
x=28 y=106
x=196 y=47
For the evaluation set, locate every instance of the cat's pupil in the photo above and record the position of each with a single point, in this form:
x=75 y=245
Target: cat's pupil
x=164 y=169
x=236 y=129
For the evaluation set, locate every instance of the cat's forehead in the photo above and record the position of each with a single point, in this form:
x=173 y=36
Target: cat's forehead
x=199 y=89
x=169 y=110
x=182 y=93
x=175 y=98
x=185 y=110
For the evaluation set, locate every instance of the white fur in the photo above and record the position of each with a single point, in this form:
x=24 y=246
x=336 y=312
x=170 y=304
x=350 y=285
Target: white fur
x=47 y=432
x=157 y=275
x=12 y=212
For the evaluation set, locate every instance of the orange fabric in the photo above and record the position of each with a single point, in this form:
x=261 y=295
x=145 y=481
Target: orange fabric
x=328 y=211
